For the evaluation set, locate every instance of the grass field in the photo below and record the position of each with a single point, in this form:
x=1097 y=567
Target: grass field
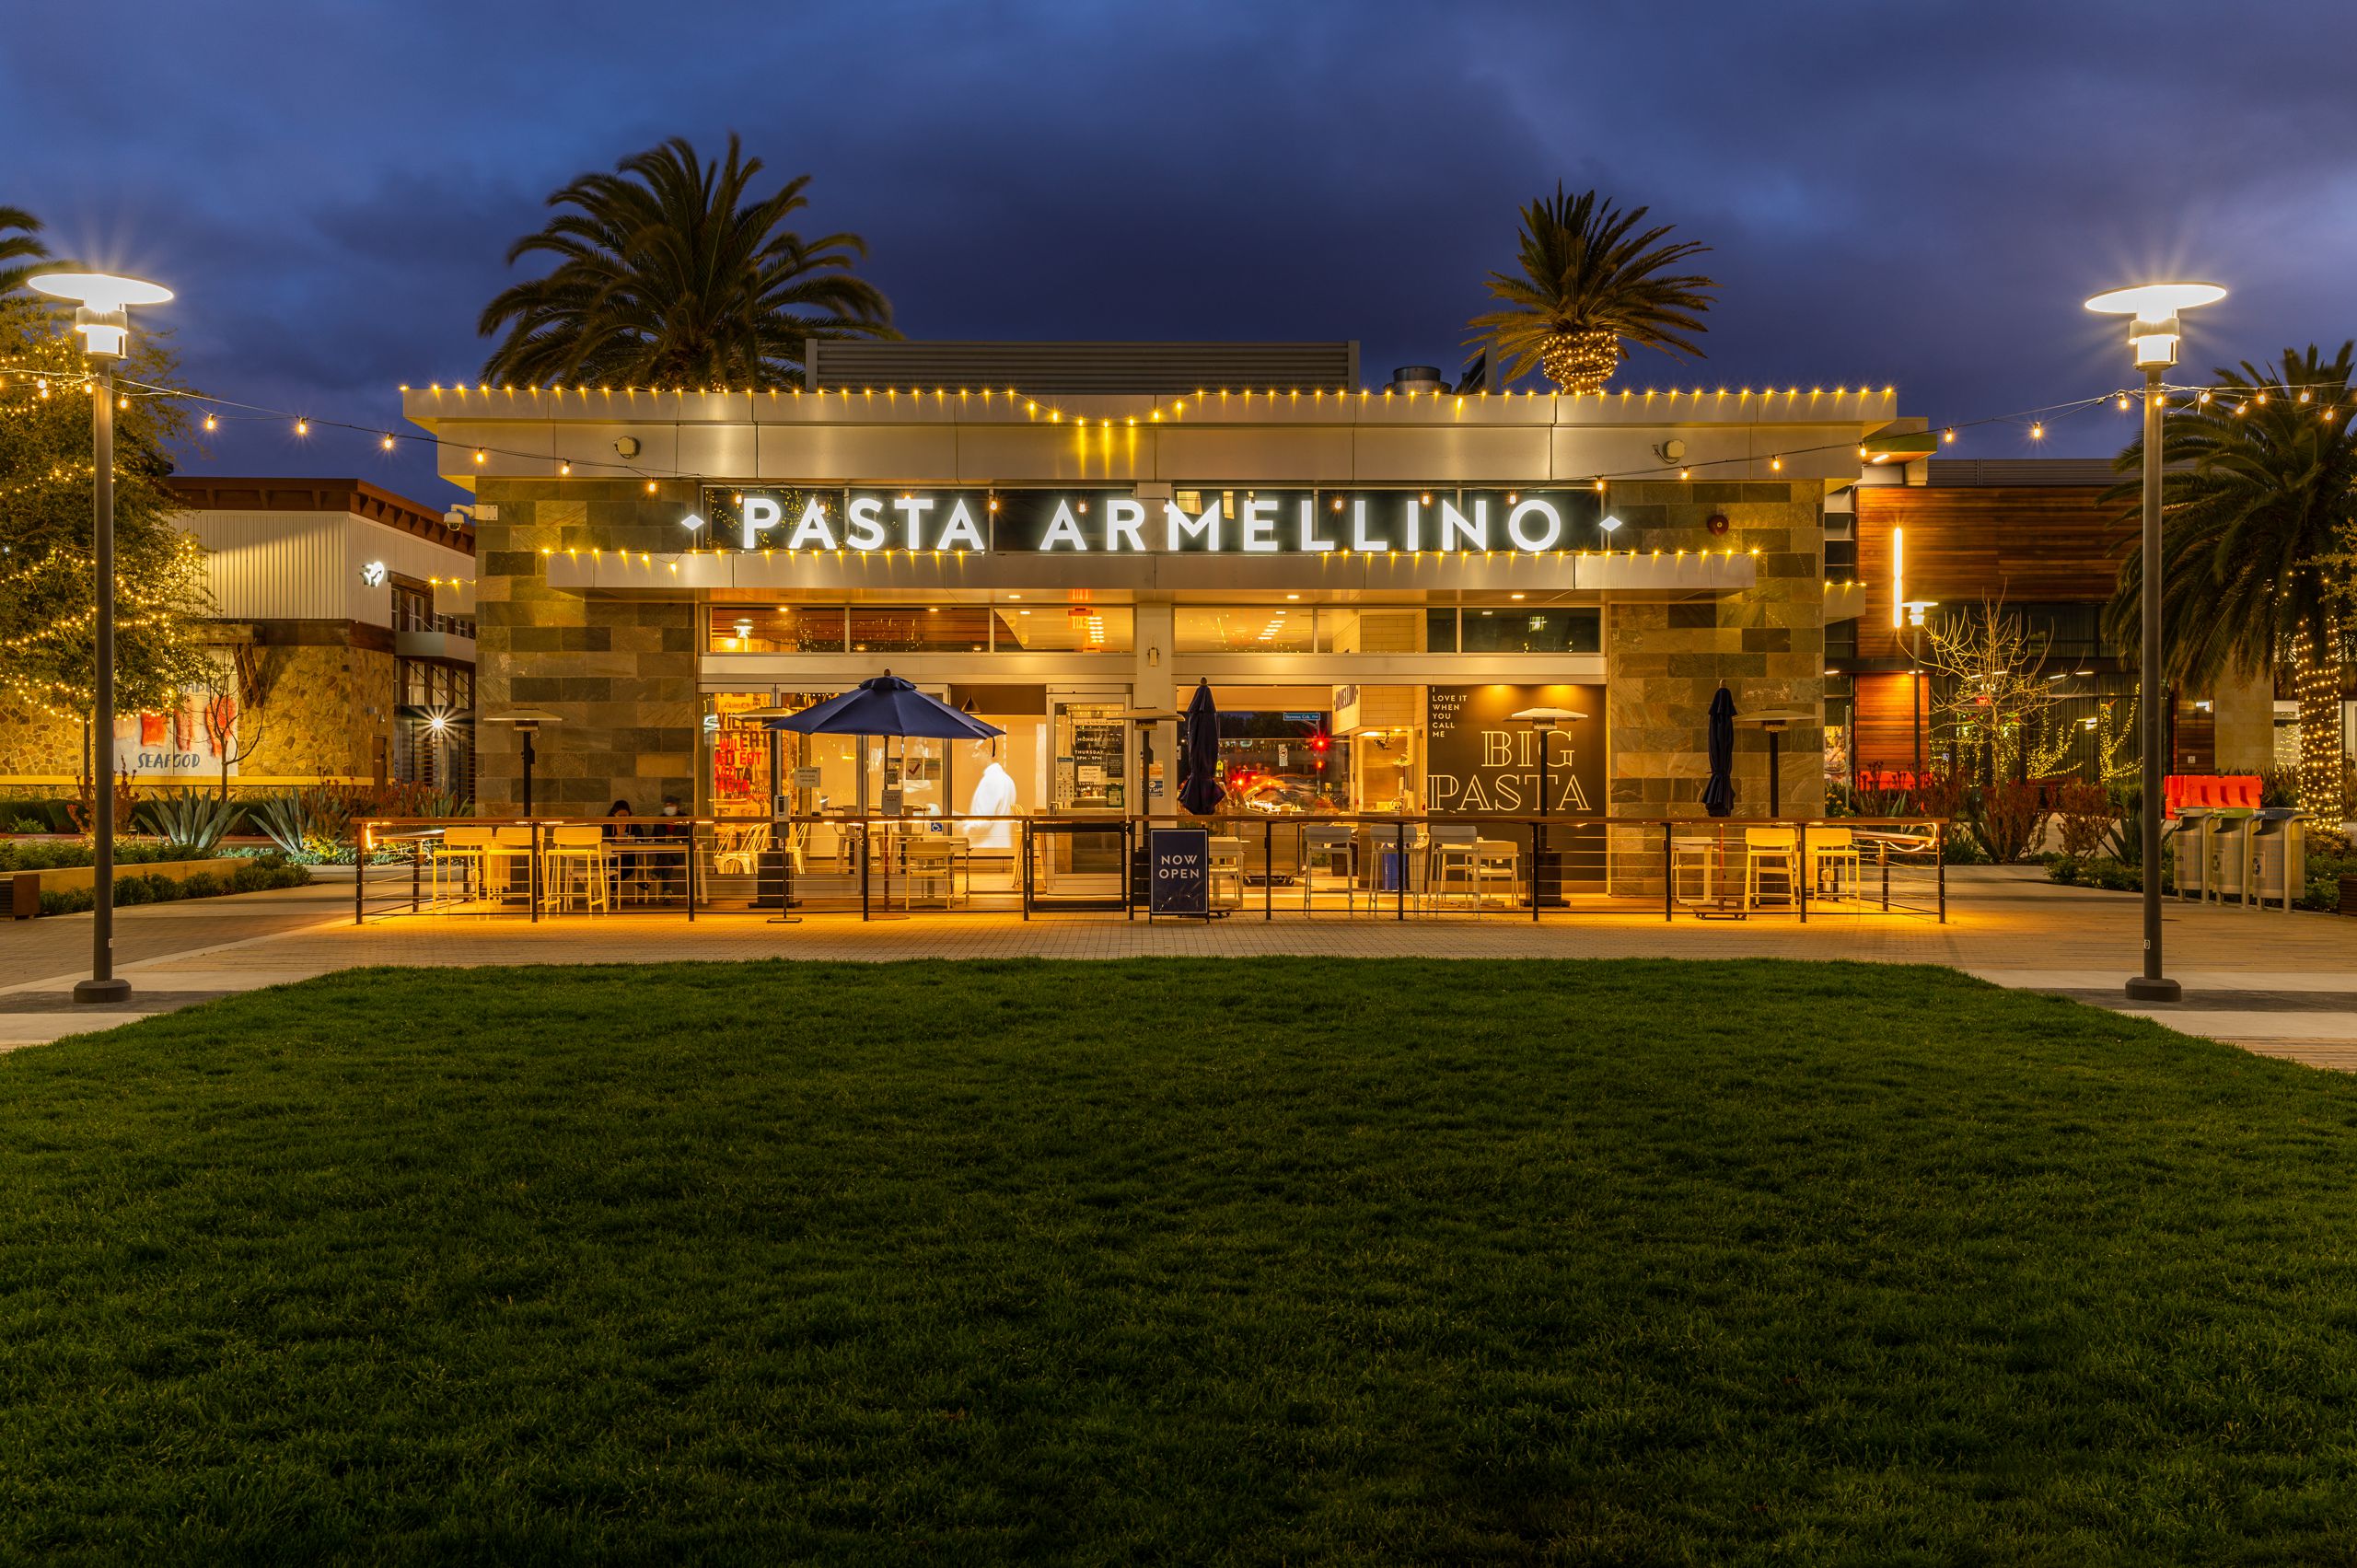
x=1227 y=1261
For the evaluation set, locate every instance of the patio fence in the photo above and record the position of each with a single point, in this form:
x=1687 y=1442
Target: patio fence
x=1325 y=867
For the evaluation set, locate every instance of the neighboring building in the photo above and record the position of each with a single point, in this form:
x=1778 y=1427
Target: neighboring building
x=1056 y=535
x=2038 y=537
x=346 y=645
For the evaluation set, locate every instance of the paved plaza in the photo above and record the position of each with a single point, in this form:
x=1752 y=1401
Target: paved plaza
x=2283 y=984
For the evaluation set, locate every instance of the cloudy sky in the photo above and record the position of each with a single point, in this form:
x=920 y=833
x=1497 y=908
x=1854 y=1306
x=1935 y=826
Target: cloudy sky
x=1919 y=193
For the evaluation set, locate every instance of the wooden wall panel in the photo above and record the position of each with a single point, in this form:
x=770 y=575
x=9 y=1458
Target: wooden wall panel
x=1886 y=728
x=1963 y=545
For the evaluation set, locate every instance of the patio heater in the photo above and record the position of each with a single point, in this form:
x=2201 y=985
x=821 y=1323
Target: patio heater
x=2153 y=334
x=1775 y=721
x=1545 y=720
x=527 y=722
x=102 y=315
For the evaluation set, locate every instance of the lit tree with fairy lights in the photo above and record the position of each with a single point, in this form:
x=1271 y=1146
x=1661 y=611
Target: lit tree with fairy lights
x=48 y=594
x=2258 y=501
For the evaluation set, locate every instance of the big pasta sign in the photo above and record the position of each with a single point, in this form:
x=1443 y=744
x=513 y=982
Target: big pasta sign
x=1186 y=521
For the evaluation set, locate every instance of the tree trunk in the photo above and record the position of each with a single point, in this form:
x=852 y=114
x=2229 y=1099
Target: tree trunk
x=2322 y=773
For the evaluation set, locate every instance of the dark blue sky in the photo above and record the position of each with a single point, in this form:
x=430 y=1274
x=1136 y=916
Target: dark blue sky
x=1917 y=192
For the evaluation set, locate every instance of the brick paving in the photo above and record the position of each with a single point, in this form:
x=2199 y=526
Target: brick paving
x=2283 y=985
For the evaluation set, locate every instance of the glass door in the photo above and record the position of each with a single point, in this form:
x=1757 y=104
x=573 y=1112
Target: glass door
x=1089 y=776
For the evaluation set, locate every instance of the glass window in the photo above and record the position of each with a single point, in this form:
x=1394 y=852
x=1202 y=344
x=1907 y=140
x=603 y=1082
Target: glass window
x=1064 y=628
x=1511 y=629
x=1375 y=630
x=1243 y=629
x=1440 y=631
x=775 y=628
x=921 y=628
x=1283 y=764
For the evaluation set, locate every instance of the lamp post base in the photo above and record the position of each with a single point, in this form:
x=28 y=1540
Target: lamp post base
x=2142 y=990
x=112 y=990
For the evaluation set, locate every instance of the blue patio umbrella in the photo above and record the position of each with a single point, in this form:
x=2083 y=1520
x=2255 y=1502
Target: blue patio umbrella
x=1200 y=791
x=1718 y=795
x=888 y=705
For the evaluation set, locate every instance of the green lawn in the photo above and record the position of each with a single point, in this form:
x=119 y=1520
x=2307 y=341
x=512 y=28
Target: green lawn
x=1273 y=1262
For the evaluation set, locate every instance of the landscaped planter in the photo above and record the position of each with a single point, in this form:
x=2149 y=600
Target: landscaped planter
x=27 y=887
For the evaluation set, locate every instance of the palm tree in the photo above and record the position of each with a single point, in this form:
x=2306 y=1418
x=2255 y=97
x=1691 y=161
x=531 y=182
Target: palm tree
x=18 y=250
x=2259 y=489
x=1588 y=285
x=667 y=275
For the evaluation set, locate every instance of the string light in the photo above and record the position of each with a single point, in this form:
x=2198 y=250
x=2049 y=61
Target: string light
x=386 y=443
x=302 y=427
x=2037 y=429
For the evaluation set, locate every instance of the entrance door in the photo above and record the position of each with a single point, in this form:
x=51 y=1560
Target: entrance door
x=1089 y=776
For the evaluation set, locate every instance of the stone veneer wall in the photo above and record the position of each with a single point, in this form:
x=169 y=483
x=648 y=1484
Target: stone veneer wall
x=625 y=686
x=1767 y=645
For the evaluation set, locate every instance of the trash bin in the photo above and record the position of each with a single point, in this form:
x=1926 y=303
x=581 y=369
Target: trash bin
x=2229 y=853
x=2279 y=854
x=2188 y=842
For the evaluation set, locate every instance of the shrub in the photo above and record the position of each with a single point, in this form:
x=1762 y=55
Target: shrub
x=2083 y=816
x=2064 y=869
x=2011 y=814
x=1963 y=848
x=150 y=889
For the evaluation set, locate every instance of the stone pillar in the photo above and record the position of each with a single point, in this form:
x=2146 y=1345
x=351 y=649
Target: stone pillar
x=2242 y=707
x=619 y=674
x=1151 y=685
x=1664 y=661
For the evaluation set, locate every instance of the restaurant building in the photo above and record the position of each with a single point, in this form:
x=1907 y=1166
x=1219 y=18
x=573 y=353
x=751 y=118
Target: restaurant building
x=342 y=641
x=1058 y=537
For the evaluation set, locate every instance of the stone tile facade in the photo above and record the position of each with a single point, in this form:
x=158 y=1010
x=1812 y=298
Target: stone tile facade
x=621 y=675
x=1767 y=645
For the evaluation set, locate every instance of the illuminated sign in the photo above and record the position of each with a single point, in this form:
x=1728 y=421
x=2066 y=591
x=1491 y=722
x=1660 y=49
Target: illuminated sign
x=1187 y=521
x=373 y=575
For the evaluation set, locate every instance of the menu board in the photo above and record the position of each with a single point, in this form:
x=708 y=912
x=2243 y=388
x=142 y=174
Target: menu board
x=1480 y=758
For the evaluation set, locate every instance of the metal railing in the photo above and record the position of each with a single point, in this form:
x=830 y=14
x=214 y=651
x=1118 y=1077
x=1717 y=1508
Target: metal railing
x=1344 y=865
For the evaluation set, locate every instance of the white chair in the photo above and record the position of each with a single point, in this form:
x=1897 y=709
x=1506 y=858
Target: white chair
x=1832 y=850
x=1771 y=854
x=1326 y=849
x=461 y=851
x=578 y=865
x=1454 y=857
x=1693 y=871
x=740 y=850
x=1497 y=863
x=1225 y=869
x=930 y=866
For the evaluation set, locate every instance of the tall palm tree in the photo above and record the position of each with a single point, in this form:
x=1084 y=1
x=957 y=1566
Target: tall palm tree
x=2259 y=489
x=666 y=274
x=1589 y=284
x=20 y=250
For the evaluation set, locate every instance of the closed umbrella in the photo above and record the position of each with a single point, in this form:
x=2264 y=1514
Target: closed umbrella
x=1718 y=795
x=1200 y=791
x=885 y=704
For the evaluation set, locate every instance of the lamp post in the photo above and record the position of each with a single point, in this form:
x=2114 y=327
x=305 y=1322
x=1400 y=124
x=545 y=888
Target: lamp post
x=2153 y=334
x=1916 y=610
x=102 y=315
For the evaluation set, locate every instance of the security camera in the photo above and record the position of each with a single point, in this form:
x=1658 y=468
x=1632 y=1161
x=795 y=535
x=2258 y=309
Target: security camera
x=627 y=446
x=457 y=516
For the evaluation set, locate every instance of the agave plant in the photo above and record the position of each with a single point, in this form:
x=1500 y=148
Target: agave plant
x=315 y=821
x=193 y=824
x=1590 y=285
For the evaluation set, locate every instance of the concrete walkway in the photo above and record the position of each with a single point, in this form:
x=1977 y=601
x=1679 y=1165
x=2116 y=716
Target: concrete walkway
x=2283 y=985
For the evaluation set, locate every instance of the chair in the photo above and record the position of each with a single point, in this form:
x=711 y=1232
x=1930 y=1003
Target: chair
x=930 y=864
x=462 y=850
x=1225 y=868
x=1833 y=849
x=1771 y=852
x=578 y=863
x=739 y=853
x=1495 y=862
x=1454 y=854
x=1327 y=849
x=508 y=846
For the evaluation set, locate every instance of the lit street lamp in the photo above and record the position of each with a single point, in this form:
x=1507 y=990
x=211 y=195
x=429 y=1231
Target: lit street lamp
x=102 y=315
x=1917 y=611
x=2153 y=334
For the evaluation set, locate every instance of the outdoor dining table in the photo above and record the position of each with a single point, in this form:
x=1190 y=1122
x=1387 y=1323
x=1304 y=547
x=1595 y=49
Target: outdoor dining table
x=635 y=855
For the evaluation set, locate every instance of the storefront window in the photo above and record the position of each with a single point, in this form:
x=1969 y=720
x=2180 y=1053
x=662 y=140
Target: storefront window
x=781 y=629
x=1283 y=763
x=937 y=628
x=1510 y=629
x=1244 y=629
x=1064 y=628
x=1371 y=631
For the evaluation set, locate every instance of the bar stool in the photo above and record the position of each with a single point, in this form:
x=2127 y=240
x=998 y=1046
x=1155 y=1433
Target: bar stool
x=1329 y=850
x=508 y=845
x=578 y=866
x=1833 y=849
x=461 y=850
x=1771 y=852
x=1454 y=852
x=1225 y=868
x=1496 y=861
